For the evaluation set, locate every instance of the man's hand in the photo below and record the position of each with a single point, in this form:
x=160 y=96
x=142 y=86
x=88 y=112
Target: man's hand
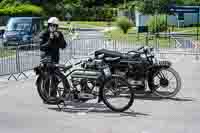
x=51 y=36
x=56 y=34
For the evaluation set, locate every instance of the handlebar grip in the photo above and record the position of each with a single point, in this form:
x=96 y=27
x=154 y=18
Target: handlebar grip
x=140 y=48
x=77 y=63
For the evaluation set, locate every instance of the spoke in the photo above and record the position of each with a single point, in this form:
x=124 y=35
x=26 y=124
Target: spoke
x=45 y=91
x=170 y=88
x=50 y=87
x=162 y=75
x=166 y=74
x=59 y=94
x=171 y=78
x=157 y=81
x=159 y=88
x=173 y=83
x=159 y=75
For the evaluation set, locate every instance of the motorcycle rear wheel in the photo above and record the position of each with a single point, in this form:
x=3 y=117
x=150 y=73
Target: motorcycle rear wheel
x=113 y=87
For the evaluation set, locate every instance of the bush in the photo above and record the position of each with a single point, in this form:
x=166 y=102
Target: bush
x=20 y=10
x=93 y=14
x=157 y=24
x=8 y=3
x=124 y=24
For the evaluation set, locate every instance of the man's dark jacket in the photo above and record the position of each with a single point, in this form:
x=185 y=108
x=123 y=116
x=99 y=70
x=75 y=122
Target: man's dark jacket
x=50 y=47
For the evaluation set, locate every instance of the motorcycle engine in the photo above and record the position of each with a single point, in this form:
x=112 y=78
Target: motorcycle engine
x=132 y=72
x=121 y=72
x=137 y=71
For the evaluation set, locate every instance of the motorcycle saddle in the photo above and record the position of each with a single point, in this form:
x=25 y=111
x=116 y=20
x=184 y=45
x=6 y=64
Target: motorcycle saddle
x=112 y=59
x=110 y=53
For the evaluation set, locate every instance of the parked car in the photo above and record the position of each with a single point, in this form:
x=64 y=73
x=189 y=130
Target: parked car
x=22 y=30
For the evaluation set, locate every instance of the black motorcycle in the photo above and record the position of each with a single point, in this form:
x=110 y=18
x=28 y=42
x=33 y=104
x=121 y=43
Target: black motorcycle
x=90 y=81
x=143 y=68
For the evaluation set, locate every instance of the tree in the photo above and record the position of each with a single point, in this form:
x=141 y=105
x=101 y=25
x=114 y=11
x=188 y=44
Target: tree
x=159 y=6
x=192 y=2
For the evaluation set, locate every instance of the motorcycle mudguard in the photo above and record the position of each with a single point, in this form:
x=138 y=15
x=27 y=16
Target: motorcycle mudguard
x=37 y=70
x=156 y=67
x=38 y=79
x=165 y=64
x=162 y=64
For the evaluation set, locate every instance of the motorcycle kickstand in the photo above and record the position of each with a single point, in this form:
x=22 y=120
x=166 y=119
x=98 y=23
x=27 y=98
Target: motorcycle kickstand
x=99 y=99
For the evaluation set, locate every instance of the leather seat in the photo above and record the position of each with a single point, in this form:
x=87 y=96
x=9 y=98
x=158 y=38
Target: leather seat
x=112 y=59
x=110 y=53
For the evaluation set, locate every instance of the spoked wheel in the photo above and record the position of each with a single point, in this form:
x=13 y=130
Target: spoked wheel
x=117 y=94
x=52 y=88
x=166 y=83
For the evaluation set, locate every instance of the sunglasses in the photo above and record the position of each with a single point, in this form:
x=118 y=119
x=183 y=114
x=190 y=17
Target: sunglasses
x=53 y=25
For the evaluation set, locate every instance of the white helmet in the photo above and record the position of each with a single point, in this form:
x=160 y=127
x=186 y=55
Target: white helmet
x=53 y=20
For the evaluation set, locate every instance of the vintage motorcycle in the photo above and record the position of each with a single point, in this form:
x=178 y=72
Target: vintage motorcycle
x=141 y=66
x=92 y=80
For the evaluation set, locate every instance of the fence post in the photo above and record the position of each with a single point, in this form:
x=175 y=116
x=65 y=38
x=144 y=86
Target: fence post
x=169 y=37
x=16 y=63
x=19 y=64
x=17 y=59
x=71 y=52
x=115 y=45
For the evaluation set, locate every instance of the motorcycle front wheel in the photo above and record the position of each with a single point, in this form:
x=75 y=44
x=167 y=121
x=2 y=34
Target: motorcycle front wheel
x=46 y=83
x=117 y=94
x=165 y=83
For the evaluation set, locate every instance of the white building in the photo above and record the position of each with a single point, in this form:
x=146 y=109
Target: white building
x=188 y=18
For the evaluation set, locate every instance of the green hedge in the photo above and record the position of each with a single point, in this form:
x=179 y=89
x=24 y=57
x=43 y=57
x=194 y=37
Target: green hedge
x=9 y=3
x=158 y=23
x=25 y=9
x=93 y=14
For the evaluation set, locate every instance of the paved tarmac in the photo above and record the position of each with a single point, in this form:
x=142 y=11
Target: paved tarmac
x=23 y=112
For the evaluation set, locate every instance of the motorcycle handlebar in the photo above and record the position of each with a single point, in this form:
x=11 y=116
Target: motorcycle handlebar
x=78 y=63
x=134 y=51
x=137 y=51
x=140 y=48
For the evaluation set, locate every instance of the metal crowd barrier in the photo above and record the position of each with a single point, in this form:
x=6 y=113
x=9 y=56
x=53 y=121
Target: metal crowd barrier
x=16 y=60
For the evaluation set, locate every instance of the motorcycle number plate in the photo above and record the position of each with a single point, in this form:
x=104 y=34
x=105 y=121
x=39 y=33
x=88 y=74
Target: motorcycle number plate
x=107 y=72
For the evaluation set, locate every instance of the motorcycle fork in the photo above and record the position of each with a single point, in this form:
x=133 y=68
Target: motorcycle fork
x=146 y=84
x=100 y=95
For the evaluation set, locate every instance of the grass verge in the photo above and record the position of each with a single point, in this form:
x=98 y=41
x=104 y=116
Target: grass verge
x=136 y=39
x=88 y=24
x=6 y=53
x=190 y=31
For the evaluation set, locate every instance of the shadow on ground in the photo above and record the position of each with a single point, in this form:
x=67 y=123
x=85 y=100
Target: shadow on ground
x=95 y=108
x=155 y=98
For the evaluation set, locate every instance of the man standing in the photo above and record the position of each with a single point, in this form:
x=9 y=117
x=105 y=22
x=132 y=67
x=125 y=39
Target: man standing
x=51 y=40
